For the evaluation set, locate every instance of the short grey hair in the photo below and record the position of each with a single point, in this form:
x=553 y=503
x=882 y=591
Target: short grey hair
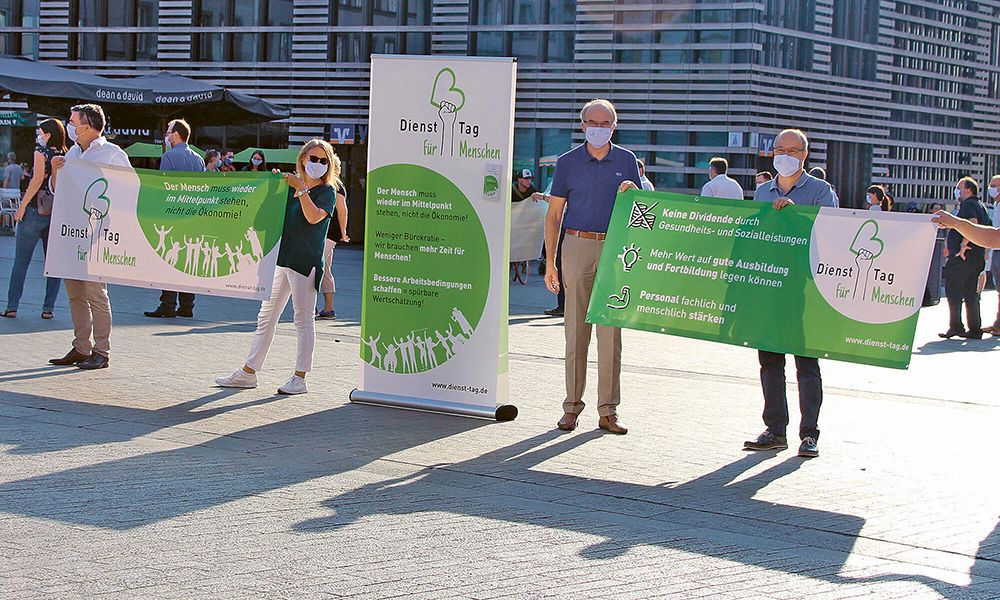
x=796 y=132
x=599 y=102
x=11 y=157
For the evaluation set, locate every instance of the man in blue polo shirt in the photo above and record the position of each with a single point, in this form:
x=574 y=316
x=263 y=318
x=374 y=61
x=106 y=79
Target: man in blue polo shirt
x=792 y=186
x=586 y=182
x=180 y=157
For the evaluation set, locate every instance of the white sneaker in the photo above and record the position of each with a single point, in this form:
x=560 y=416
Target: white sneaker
x=295 y=385
x=239 y=379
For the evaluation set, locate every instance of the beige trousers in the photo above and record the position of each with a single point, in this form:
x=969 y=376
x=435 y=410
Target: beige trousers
x=90 y=309
x=579 y=263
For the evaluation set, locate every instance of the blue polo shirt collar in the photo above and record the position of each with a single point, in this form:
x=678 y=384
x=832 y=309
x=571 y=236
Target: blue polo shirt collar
x=799 y=183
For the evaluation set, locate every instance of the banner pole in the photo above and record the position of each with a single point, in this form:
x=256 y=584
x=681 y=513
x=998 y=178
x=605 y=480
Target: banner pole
x=504 y=412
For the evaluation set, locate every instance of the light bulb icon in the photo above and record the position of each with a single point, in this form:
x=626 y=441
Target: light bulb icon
x=629 y=256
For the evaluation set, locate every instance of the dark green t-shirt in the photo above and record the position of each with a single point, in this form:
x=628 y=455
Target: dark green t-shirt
x=301 y=241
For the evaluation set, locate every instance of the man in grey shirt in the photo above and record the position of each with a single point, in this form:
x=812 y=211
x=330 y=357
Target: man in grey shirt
x=12 y=173
x=180 y=157
x=792 y=186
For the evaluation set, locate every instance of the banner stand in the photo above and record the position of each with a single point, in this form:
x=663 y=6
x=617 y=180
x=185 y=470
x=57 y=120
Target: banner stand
x=434 y=315
x=505 y=412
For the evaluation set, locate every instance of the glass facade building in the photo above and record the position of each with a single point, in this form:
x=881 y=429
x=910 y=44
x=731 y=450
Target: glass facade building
x=898 y=92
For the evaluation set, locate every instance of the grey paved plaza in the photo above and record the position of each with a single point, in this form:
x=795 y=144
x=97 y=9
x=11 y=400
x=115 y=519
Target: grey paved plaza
x=145 y=481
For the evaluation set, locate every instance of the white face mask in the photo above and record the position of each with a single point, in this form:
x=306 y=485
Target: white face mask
x=41 y=141
x=71 y=131
x=316 y=170
x=993 y=192
x=255 y=161
x=786 y=165
x=958 y=193
x=598 y=137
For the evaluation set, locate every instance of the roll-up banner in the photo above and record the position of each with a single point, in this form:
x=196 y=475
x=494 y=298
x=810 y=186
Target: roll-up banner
x=437 y=217
x=821 y=282
x=207 y=233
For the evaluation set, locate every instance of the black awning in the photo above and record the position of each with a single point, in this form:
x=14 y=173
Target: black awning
x=145 y=101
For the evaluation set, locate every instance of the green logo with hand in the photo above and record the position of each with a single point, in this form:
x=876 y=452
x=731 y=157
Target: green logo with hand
x=866 y=247
x=96 y=206
x=448 y=98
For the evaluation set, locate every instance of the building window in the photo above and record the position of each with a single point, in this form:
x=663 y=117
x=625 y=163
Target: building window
x=211 y=43
x=528 y=41
x=855 y=20
x=559 y=44
x=799 y=15
x=634 y=37
x=360 y=29
x=18 y=13
x=92 y=15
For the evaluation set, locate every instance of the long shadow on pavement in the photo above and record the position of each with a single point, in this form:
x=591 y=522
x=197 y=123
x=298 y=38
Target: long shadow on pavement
x=136 y=491
x=124 y=423
x=715 y=514
x=789 y=534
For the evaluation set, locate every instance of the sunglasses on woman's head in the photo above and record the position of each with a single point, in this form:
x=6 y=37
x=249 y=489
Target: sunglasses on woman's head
x=319 y=159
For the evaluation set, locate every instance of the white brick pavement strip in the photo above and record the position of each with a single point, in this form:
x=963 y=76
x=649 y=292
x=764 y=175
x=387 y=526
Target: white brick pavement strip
x=143 y=481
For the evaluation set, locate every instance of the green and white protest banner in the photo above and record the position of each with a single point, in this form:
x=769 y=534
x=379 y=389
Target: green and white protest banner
x=434 y=308
x=207 y=233
x=822 y=282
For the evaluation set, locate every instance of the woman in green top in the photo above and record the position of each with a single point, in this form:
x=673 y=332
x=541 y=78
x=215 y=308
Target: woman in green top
x=311 y=198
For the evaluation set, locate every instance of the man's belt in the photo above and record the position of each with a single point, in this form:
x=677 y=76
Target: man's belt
x=590 y=235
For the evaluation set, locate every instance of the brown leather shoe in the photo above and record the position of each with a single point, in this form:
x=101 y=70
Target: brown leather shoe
x=567 y=422
x=72 y=358
x=611 y=424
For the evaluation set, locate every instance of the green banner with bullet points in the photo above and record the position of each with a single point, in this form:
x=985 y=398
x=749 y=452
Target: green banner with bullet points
x=821 y=282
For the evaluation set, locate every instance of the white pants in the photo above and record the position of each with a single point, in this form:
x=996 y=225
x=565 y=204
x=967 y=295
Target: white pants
x=328 y=285
x=302 y=290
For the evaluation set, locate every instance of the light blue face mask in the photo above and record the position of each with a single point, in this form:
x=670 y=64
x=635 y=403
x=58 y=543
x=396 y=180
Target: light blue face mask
x=598 y=137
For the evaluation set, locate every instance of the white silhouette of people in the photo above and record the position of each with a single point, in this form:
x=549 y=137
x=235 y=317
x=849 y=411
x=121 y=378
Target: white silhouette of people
x=213 y=265
x=255 y=248
x=206 y=257
x=411 y=353
x=390 y=358
x=431 y=345
x=231 y=255
x=372 y=343
x=188 y=254
x=462 y=322
x=457 y=341
x=422 y=348
x=173 y=254
x=243 y=261
x=448 y=350
x=161 y=247
x=404 y=359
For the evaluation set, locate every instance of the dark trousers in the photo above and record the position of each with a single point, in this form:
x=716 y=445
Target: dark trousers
x=170 y=299
x=772 y=381
x=961 y=278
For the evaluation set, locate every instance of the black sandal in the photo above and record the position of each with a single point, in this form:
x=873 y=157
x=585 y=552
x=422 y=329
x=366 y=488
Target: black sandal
x=46 y=314
x=10 y=314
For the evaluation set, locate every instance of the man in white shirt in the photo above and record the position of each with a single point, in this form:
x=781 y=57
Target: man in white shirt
x=89 y=305
x=721 y=185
